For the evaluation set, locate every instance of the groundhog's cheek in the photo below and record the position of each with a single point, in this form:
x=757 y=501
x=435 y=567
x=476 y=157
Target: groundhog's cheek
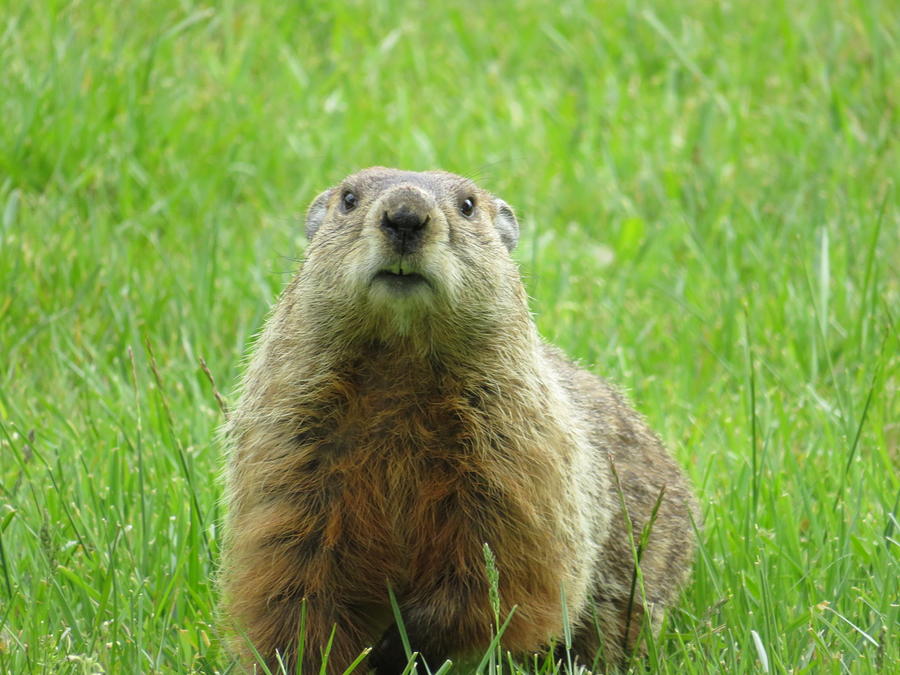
x=354 y=263
x=447 y=274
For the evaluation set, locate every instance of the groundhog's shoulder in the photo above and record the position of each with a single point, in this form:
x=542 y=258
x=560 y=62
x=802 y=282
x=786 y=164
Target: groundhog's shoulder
x=590 y=392
x=616 y=429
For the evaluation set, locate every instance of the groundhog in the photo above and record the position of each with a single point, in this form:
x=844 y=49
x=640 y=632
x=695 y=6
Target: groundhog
x=400 y=412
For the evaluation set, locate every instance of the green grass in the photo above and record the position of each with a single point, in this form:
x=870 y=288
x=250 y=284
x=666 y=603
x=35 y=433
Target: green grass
x=709 y=206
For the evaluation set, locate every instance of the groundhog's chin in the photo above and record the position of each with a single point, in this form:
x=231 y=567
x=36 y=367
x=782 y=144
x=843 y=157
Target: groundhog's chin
x=404 y=291
x=401 y=284
x=396 y=292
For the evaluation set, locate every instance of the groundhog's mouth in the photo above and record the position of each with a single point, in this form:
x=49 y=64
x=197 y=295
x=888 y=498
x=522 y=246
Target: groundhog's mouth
x=400 y=281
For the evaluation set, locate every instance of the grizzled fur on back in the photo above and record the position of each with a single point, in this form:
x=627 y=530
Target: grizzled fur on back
x=399 y=412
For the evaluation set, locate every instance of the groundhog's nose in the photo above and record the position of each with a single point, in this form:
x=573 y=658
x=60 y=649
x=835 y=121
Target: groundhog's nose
x=405 y=219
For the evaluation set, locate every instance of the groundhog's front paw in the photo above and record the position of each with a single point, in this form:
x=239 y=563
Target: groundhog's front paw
x=388 y=657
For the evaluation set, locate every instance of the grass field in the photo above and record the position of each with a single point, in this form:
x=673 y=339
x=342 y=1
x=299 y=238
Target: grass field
x=708 y=193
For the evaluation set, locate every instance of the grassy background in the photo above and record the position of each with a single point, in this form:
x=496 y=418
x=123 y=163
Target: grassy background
x=709 y=207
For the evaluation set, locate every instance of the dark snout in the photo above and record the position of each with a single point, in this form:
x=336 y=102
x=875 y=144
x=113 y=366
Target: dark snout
x=406 y=215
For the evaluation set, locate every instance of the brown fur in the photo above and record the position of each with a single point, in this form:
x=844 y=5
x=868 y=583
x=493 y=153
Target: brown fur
x=383 y=436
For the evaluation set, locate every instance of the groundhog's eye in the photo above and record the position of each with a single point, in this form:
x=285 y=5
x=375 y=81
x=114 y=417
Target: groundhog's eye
x=348 y=201
x=467 y=208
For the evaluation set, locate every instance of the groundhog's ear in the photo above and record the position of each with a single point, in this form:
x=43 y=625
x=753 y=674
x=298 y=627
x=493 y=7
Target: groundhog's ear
x=506 y=224
x=315 y=214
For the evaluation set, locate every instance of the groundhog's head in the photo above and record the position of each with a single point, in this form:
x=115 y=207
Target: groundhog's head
x=392 y=249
